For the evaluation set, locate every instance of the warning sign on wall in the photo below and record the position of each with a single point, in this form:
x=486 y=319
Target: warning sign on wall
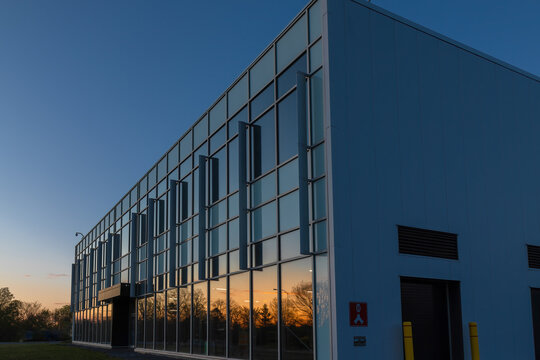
x=358 y=314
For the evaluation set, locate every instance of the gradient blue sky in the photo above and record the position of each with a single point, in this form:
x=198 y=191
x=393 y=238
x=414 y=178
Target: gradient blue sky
x=93 y=92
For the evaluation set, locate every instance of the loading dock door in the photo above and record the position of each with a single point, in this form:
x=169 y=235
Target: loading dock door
x=433 y=307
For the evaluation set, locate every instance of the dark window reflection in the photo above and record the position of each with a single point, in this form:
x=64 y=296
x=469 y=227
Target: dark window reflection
x=218 y=175
x=263 y=144
x=262 y=101
x=297 y=310
x=140 y=323
x=184 y=316
x=172 y=302
x=199 y=318
x=160 y=320
x=239 y=316
x=288 y=78
x=218 y=317
x=233 y=165
x=265 y=314
x=287 y=128
x=149 y=333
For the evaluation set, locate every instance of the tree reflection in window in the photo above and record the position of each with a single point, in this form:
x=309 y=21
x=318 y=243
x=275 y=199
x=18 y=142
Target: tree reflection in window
x=184 y=316
x=239 y=316
x=218 y=317
x=265 y=313
x=199 y=318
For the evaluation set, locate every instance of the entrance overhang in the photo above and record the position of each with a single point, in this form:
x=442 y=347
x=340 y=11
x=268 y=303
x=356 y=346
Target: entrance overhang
x=114 y=292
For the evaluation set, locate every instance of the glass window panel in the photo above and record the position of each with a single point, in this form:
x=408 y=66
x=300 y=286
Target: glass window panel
x=199 y=318
x=172 y=303
x=218 y=213
x=185 y=208
x=287 y=128
x=262 y=101
x=234 y=264
x=203 y=150
x=322 y=301
x=317 y=168
x=239 y=316
x=261 y=73
x=297 y=310
x=317 y=116
x=289 y=211
x=264 y=252
x=238 y=95
x=319 y=199
x=288 y=176
x=233 y=123
x=218 y=317
x=142 y=271
x=263 y=221
x=149 y=333
x=263 y=189
x=185 y=230
x=184 y=316
x=185 y=253
x=319 y=233
x=292 y=43
x=162 y=168
x=263 y=144
x=315 y=21
x=218 y=175
x=160 y=320
x=218 y=240
x=218 y=139
x=233 y=165
x=186 y=145
x=265 y=342
x=172 y=158
x=200 y=131
x=290 y=245
x=315 y=56
x=151 y=179
x=233 y=234
x=218 y=114
x=287 y=79
x=162 y=187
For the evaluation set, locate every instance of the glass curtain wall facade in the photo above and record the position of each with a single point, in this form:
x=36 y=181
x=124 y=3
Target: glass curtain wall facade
x=224 y=240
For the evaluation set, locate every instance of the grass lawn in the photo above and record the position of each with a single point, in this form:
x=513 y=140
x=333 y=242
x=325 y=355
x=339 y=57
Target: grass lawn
x=48 y=352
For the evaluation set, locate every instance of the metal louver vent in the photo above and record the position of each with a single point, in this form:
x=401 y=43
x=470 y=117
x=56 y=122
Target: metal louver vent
x=533 y=253
x=424 y=242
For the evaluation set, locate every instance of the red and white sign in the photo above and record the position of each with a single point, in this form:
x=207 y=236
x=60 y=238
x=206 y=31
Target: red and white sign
x=358 y=314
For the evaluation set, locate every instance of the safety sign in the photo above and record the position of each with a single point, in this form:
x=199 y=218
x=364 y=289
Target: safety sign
x=358 y=314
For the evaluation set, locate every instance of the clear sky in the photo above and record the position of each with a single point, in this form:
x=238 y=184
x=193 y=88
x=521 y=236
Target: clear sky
x=93 y=92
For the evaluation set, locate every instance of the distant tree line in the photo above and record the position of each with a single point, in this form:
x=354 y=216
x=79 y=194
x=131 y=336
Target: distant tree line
x=30 y=321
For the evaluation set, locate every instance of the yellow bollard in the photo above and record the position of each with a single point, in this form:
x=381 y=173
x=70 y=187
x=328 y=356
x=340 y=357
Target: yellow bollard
x=473 y=334
x=407 y=340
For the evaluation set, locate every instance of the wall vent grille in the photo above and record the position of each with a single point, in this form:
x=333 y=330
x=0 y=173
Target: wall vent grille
x=432 y=243
x=533 y=253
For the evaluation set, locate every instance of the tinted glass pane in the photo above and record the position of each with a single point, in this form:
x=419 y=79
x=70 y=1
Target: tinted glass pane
x=233 y=205
x=315 y=56
x=218 y=317
x=218 y=213
x=265 y=313
x=199 y=318
x=172 y=158
x=287 y=80
x=239 y=316
x=317 y=120
x=233 y=165
x=233 y=123
x=238 y=95
x=319 y=232
x=289 y=211
x=315 y=21
x=218 y=114
x=290 y=245
x=297 y=310
x=288 y=176
x=263 y=144
x=264 y=252
x=184 y=315
x=160 y=323
x=218 y=139
x=218 y=175
x=322 y=296
x=262 y=101
x=319 y=199
x=218 y=240
x=263 y=221
x=292 y=43
x=200 y=132
x=233 y=234
x=162 y=168
x=172 y=303
x=149 y=344
x=186 y=146
x=287 y=128
x=261 y=73
x=264 y=189
x=318 y=161
x=151 y=181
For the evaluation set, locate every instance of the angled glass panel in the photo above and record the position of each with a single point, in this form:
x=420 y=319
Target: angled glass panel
x=263 y=144
x=319 y=199
x=292 y=43
x=287 y=128
x=233 y=165
x=317 y=116
x=218 y=175
x=261 y=73
x=264 y=252
x=233 y=234
x=287 y=79
x=238 y=95
x=262 y=102
x=263 y=189
x=233 y=123
x=218 y=240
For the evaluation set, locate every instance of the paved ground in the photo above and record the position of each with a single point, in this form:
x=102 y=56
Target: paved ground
x=126 y=353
